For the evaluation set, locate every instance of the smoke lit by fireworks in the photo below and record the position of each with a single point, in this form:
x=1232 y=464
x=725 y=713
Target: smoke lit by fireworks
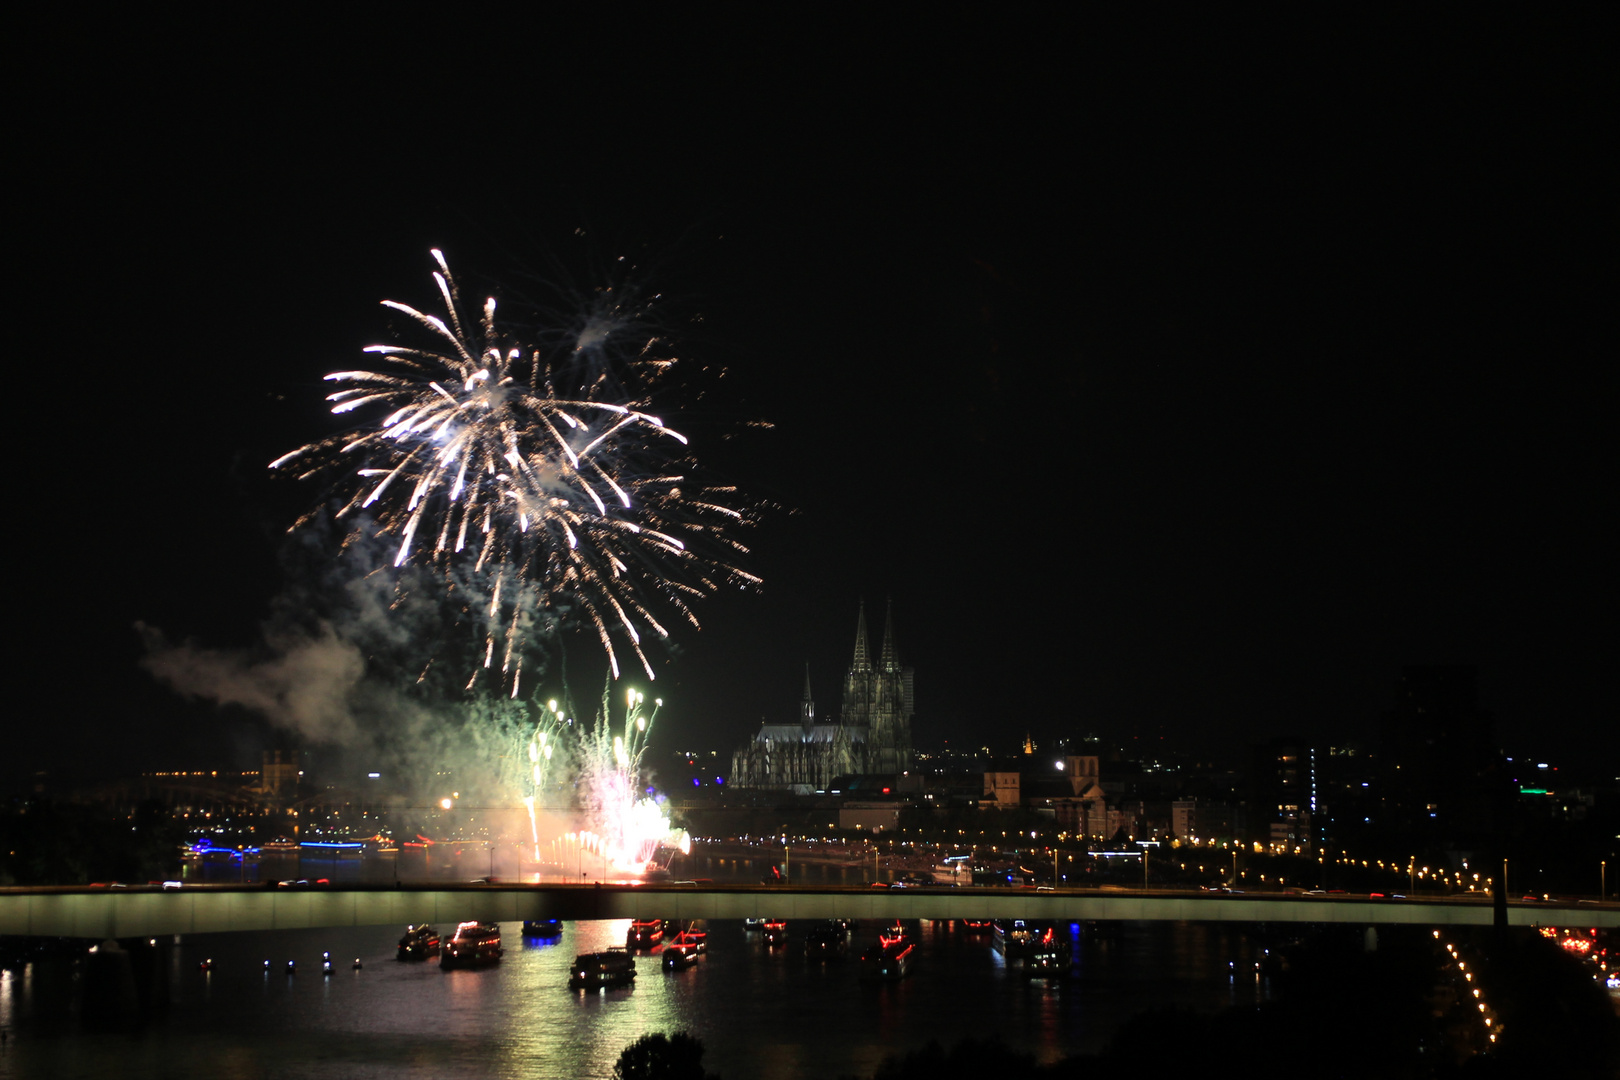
x=627 y=824
x=538 y=469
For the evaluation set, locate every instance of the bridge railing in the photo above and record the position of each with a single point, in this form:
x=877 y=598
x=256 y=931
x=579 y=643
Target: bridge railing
x=141 y=912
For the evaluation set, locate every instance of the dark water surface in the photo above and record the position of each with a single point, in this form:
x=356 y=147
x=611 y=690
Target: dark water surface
x=759 y=1012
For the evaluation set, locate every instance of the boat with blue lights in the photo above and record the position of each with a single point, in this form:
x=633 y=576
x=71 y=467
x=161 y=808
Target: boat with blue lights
x=542 y=928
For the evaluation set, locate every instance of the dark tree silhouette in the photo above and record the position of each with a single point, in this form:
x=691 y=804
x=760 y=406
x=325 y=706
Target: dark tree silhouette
x=660 y=1057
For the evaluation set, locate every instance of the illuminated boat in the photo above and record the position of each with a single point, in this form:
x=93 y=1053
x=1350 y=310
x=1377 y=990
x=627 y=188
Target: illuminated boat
x=1016 y=938
x=976 y=926
x=679 y=955
x=899 y=932
x=775 y=932
x=644 y=934
x=542 y=927
x=474 y=943
x=887 y=963
x=594 y=971
x=1049 y=958
x=418 y=943
x=697 y=939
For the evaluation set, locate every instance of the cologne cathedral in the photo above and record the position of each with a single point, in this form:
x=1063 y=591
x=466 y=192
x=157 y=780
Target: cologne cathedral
x=872 y=734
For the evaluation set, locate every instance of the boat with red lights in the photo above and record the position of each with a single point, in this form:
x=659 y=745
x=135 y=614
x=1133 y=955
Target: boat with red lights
x=775 y=932
x=1050 y=957
x=644 y=934
x=889 y=962
x=419 y=942
x=679 y=955
x=598 y=970
x=474 y=943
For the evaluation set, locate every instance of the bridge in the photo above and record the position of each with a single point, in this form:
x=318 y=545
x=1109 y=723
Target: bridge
x=148 y=911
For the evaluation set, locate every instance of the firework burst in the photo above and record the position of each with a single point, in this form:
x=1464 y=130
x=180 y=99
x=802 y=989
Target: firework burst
x=537 y=471
x=626 y=823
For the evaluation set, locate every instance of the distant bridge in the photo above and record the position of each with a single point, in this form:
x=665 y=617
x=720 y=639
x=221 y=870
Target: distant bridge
x=200 y=909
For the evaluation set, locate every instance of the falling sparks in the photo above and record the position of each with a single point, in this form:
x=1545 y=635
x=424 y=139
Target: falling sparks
x=538 y=470
x=628 y=825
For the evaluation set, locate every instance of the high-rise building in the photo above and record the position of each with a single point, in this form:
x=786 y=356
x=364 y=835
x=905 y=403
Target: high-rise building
x=1438 y=757
x=1284 y=794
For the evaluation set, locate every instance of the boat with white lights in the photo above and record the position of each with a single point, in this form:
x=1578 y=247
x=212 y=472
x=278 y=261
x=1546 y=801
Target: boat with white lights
x=679 y=955
x=419 y=942
x=598 y=970
x=1050 y=957
x=474 y=944
x=1015 y=938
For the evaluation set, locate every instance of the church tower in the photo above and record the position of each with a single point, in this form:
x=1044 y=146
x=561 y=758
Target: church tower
x=877 y=698
x=807 y=707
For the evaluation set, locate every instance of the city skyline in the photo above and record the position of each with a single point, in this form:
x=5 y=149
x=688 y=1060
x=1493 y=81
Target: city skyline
x=1194 y=388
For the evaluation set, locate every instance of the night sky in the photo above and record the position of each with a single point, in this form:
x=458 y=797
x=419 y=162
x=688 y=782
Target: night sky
x=1173 y=379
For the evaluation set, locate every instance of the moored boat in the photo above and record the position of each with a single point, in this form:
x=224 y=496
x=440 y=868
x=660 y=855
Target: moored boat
x=419 y=942
x=474 y=943
x=542 y=927
x=593 y=971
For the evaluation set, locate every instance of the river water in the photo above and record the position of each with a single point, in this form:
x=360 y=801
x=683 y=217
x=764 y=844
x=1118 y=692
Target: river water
x=760 y=1012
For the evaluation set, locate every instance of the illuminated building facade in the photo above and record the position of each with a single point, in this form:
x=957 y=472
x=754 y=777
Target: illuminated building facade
x=872 y=734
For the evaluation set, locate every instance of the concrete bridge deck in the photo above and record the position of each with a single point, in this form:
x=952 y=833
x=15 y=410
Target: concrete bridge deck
x=200 y=909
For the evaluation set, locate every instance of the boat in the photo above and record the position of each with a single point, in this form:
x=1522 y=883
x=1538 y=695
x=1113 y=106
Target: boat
x=887 y=963
x=474 y=943
x=418 y=943
x=542 y=927
x=644 y=934
x=753 y=924
x=1016 y=938
x=976 y=926
x=697 y=939
x=775 y=932
x=679 y=955
x=1049 y=958
x=898 y=932
x=594 y=971
x=826 y=941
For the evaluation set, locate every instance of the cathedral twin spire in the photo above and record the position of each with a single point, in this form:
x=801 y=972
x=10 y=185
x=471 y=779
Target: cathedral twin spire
x=862 y=664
